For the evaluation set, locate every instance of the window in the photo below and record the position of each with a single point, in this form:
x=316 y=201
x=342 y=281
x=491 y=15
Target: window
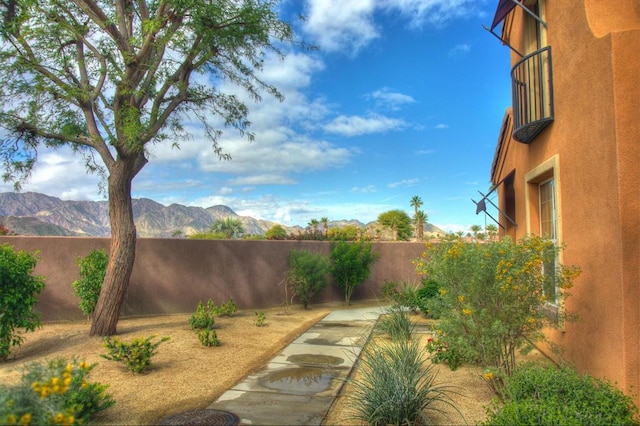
x=542 y=198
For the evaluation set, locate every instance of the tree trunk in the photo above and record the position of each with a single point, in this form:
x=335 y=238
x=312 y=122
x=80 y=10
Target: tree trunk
x=122 y=249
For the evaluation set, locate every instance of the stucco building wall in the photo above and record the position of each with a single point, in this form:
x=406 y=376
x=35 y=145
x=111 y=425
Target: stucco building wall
x=593 y=149
x=172 y=275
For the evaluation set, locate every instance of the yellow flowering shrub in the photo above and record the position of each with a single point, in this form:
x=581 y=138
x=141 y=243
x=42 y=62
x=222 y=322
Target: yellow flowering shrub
x=497 y=295
x=56 y=393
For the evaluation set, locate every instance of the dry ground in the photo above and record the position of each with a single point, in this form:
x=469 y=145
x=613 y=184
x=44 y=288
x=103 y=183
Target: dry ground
x=186 y=375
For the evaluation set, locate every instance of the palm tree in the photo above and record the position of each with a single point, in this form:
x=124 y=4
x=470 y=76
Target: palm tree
x=313 y=223
x=492 y=231
x=230 y=227
x=325 y=225
x=420 y=218
x=416 y=202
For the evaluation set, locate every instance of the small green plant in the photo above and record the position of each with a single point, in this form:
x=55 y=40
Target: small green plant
x=537 y=394
x=396 y=323
x=260 y=318
x=204 y=316
x=19 y=290
x=227 y=309
x=208 y=337
x=136 y=356
x=397 y=385
x=440 y=352
x=53 y=393
x=92 y=270
x=307 y=274
x=351 y=265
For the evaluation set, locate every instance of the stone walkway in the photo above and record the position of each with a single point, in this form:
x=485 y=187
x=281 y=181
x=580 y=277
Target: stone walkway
x=298 y=386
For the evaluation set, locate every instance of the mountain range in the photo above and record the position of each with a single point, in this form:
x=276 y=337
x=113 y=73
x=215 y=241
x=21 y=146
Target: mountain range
x=31 y=213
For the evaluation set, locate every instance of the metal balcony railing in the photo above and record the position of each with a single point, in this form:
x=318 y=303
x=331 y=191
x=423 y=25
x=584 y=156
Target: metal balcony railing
x=532 y=91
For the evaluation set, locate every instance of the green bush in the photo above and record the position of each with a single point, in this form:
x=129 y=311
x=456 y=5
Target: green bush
x=227 y=309
x=53 y=393
x=351 y=265
x=19 y=290
x=441 y=352
x=204 y=316
x=429 y=300
x=136 y=356
x=92 y=270
x=397 y=385
x=208 y=337
x=537 y=394
x=495 y=295
x=307 y=274
x=260 y=318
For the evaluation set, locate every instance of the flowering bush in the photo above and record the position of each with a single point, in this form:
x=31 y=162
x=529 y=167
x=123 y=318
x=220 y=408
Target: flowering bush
x=440 y=352
x=54 y=393
x=497 y=295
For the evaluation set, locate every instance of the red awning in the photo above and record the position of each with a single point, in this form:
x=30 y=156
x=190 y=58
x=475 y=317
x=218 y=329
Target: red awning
x=504 y=7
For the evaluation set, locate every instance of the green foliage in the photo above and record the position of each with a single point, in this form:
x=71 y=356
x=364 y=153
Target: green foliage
x=396 y=323
x=396 y=385
x=208 y=337
x=227 y=309
x=429 y=300
x=229 y=227
x=204 y=316
x=399 y=222
x=537 y=394
x=276 y=232
x=495 y=295
x=53 y=393
x=441 y=352
x=260 y=318
x=19 y=290
x=351 y=265
x=307 y=274
x=92 y=270
x=344 y=233
x=136 y=356
x=207 y=236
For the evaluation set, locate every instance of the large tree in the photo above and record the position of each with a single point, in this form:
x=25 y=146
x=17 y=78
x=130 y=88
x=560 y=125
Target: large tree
x=398 y=221
x=108 y=78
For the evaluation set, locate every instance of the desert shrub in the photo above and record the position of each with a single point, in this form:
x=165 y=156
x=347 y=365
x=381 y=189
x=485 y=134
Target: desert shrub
x=397 y=385
x=537 y=394
x=307 y=274
x=208 y=337
x=204 y=316
x=19 y=290
x=136 y=356
x=390 y=291
x=227 y=309
x=53 y=393
x=429 y=300
x=396 y=323
x=276 y=232
x=92 y=270
x=495 y=295
x=440 y=352
x=351 y=265
x=260 y=318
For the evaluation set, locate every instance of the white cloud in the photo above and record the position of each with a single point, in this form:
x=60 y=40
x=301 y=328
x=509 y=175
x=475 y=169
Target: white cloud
x=432 y=12
x=341 y=25
x=356 y=125
x=459 y=49
x=441 y=126
x=387 y=99
x=364 y=189
x=404 y=183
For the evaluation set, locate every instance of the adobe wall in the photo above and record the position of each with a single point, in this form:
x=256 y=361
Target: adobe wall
x=172 y=275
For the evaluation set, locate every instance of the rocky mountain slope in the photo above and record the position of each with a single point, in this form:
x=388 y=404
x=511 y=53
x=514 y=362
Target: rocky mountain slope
x=31 y=213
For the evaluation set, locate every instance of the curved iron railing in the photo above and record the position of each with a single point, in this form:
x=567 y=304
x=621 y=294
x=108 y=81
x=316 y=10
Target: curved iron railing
x=532 y=91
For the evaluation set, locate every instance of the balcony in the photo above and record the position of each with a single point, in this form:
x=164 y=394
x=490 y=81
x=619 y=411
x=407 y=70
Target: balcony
x=532 y=91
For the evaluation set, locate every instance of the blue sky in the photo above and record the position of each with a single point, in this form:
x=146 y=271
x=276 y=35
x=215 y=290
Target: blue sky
x=403 y=98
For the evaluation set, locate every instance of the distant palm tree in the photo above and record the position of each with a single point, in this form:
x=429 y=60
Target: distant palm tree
x=325 y=225
x=230 y=227
x=492 y=231
x=420 y=219
x=313 y=223
x=416 y=202
x=476 y=232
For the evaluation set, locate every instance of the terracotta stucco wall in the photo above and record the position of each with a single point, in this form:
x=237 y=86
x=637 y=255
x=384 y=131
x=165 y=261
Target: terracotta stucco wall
x=595 y=139
x=172 y=275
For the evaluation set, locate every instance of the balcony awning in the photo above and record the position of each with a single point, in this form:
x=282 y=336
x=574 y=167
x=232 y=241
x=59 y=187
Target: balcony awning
x=504 y=7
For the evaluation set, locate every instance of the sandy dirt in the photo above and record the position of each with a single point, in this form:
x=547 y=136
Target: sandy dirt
x=186 y=375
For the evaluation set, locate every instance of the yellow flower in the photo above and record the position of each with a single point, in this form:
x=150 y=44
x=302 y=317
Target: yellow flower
x=25 y=419
x=467 y=311
x=531 y=320
x=11 y=419
x=67 y=381
x=45 y=392
x=443 y=292
x=70 y=420
x=68 y=368
x=461 y=298
x=488 y=375
x=84 y=365
x=59 y=418
x=55 y=380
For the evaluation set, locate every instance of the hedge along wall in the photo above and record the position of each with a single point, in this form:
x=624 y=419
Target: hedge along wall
x=172 y=275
